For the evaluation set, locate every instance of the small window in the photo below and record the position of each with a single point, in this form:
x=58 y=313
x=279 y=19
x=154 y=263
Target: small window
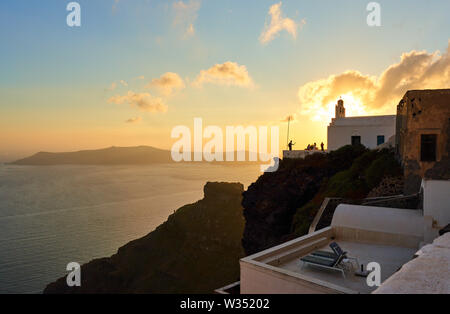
x=356 y=140
x=428 y=147
x=380 y=139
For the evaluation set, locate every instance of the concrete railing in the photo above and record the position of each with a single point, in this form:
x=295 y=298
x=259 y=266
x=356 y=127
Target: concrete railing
x=316 y=219
x=299 y=246
x=298 y=154
x=233 y=288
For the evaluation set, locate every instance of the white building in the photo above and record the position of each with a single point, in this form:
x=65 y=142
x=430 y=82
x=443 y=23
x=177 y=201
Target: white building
x=369 y=131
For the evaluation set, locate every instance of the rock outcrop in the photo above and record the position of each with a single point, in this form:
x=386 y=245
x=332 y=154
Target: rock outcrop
x=195 y=251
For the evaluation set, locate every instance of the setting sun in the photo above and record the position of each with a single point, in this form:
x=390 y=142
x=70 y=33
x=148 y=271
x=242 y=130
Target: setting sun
x=353 y=105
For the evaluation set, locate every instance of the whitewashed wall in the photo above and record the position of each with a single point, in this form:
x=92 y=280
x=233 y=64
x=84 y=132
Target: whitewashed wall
x=341 y=130
x=436 y=201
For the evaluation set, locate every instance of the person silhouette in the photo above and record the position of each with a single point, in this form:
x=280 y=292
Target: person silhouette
x=321 y=145
x=290 y=145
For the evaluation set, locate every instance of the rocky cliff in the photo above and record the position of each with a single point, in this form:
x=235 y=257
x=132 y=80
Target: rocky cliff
x=195 y=251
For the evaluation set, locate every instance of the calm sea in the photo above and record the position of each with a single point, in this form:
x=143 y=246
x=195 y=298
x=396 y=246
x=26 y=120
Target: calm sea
x=50 y=216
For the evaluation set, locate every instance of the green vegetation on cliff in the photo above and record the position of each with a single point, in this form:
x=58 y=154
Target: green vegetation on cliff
x=195 y=251
x=365 y=173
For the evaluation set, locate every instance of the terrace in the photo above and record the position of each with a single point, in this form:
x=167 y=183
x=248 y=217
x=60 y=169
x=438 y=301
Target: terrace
x=388 y=236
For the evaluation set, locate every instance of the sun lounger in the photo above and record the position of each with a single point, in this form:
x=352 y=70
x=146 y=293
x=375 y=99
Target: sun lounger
x=325 y=254
x=328 y=260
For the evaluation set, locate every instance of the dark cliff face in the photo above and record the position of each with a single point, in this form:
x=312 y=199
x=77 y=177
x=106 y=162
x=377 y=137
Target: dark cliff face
x=281 y=205
x=272 y=200
x=195 y=251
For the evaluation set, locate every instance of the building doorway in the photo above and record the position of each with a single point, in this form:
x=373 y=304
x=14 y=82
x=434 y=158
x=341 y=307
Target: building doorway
x=356 y=140
x=428 y=147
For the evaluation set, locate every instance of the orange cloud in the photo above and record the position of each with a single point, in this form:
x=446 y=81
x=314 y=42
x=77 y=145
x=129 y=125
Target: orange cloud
x=143 y=101
x=134 y=120
x=277 y=24
x=416 y=70
x=112 y=87
x=167 y=83
x=228 y=73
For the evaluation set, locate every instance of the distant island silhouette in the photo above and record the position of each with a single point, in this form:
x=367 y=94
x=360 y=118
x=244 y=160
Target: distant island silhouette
x=107 y=156
x=137 y=155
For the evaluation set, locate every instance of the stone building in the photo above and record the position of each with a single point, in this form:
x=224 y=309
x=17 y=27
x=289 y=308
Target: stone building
x=423 y=135
x=370 y=131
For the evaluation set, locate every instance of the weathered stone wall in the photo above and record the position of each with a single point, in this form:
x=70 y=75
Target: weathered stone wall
x=422 y=112
x=400 y=201
x=389 y=186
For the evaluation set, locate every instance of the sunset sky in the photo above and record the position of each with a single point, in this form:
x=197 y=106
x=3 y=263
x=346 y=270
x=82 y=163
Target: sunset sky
x=137 y=68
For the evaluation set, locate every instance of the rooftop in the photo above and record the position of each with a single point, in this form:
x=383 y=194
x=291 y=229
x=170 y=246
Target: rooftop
x=359 y=230
x=390 y=258
x=283 y=261
x=364 y=120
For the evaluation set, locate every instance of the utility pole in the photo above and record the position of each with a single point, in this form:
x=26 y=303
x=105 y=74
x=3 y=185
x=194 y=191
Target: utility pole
x=287 y=141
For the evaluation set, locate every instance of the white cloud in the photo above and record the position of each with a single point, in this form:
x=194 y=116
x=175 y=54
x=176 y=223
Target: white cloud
x=416 y=70
x=143 y=101
x=277 y=24
x=186 y=14
x=228 y=73
x=168 y=83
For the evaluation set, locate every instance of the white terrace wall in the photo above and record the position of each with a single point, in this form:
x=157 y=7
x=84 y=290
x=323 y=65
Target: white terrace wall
x=436 y=205
x=379 y=225
x=260 y=274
